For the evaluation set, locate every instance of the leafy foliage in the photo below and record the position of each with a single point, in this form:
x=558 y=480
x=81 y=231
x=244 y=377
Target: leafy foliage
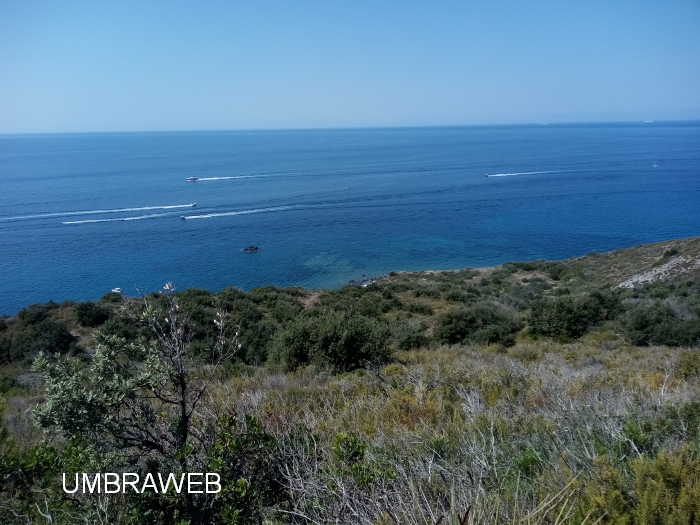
x=35 y=313
x=333 y=340
x=91 y=314
x=481 y=323
x=568 y=318
x=659 y=324
x=43 y=336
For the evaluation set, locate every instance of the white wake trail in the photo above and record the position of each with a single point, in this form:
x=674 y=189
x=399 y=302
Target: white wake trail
x=521 y=173
x=244 y=212
x=236 y=177
x=95 y=212
x=138 y=218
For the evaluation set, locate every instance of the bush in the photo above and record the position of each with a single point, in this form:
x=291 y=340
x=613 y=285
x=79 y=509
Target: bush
x=35 y=313
x=419 y=308
x=456 y=295
x=5 y=348
x=567 y=318
x=255 y=341
x=46 y=336
x=658 y=324
x=481 y=323
x=91 y=314
x=111 y=298
x=121 y=327
x=689 y=364
x=668 y=488
x=7 y=383
x=244 y=456
x=410 y=335
x=338 y=341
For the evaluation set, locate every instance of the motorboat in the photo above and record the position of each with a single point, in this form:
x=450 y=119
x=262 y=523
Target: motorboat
x=192 y=179
x=116 y=290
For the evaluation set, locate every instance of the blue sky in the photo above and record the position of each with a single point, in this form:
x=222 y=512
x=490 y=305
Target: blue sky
x=176 y=65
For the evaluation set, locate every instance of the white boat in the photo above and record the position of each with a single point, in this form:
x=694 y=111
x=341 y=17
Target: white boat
x=192 y=179
x=116 y=290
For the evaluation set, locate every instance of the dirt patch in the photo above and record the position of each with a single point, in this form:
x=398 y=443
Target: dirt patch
x=674 y=267
x=311 y=299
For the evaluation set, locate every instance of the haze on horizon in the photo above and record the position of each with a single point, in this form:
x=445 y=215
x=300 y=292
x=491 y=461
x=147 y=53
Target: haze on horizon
x=77 y=66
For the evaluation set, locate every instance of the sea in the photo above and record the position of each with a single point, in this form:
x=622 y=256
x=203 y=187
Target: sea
x=81 y=214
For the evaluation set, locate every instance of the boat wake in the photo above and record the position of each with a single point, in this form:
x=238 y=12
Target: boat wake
x=235 y=177
x=247 y=212
x=94 y=212
x=116 y=219
x=521 y=173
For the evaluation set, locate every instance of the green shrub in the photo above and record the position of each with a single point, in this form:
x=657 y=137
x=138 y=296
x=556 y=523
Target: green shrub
x=5 y=348
x=6 y=383
x=91 y=314
x=668 y=489
x=392 y=303
x=689 y=364
x=410 y=335
x=659 y=324
x=456 y=295
x=528 y=463
x=255 y=341
x=398 y=287
x=481 y=323
x=46 y=336
x=37 y=312
x=244 y=455
x=647 y=434
x=568 y=318
x=419 y=308
x=120 y=327
x=338 y=341
x=112 y=298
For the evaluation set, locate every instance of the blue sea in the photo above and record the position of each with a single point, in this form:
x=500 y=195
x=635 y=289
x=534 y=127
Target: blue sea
x=81 y=214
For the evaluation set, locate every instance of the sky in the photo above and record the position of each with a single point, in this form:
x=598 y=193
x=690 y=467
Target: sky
x=82 y=66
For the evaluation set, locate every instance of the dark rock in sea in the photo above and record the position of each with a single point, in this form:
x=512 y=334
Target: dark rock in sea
x=251 y=249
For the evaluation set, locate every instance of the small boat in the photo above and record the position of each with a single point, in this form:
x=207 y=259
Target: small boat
x=116 y=290
x=251 y=249
x=192 y=179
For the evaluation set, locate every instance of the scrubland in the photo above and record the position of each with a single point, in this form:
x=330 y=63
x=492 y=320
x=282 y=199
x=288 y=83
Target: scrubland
x=536 y=392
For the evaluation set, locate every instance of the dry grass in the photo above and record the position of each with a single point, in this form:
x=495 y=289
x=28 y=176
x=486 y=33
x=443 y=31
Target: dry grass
x=515 y=436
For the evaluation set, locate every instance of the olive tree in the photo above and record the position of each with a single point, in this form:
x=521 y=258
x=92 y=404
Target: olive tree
x=141 y=405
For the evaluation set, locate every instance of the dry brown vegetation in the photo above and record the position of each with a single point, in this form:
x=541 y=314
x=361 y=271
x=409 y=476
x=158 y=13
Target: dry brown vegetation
x=526 y=393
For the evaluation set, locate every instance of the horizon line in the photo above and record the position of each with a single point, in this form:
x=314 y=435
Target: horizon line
x=347 y=128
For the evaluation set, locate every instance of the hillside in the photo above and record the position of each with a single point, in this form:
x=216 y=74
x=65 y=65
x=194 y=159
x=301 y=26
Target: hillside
x=533 y=392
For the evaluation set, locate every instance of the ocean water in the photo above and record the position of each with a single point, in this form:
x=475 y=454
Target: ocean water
x=81 y=214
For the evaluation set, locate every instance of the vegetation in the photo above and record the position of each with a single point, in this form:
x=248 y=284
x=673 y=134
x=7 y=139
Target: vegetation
x=537 y=392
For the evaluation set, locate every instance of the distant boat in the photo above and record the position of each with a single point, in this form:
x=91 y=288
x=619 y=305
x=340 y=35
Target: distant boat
x=116 y=290
x=251 y=249
x=191 y=179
